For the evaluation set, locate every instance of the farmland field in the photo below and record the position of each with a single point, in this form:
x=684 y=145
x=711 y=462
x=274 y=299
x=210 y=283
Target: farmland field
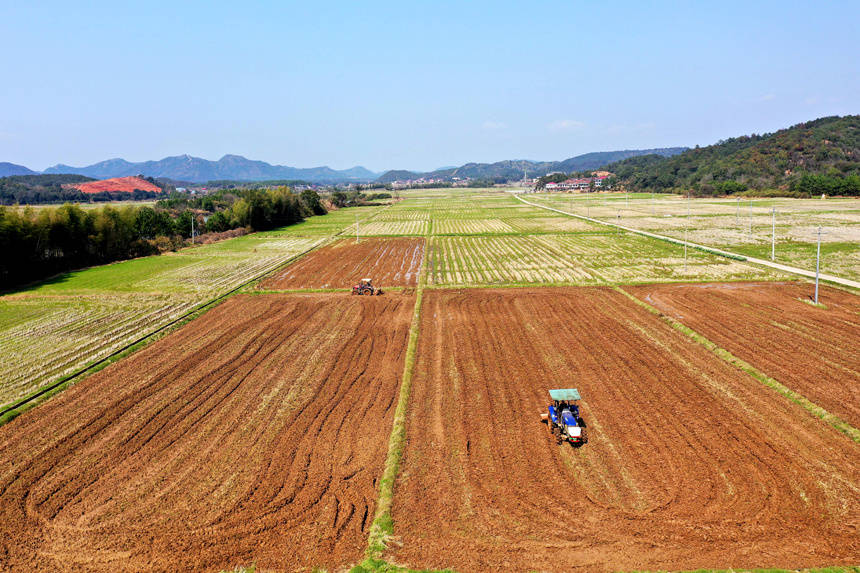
x=577 y=258
x=690 y=462
x=814 y=351
x=744 y=226
x=389 y=262
x=60 y=325
x=295 y=430
x=255 y=434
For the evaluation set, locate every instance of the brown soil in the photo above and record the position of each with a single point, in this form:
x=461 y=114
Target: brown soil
x=256 y=433
x=117 y=185
x=389 y=262
x=691 y=463
x=814 y=351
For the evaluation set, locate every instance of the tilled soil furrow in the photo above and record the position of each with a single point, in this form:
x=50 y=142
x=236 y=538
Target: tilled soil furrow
x=258 y=429
x=813 y=351
x=691 y=462
x=344 y=263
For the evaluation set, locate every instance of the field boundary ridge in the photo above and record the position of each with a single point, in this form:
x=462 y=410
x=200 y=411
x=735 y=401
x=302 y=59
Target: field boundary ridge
x=811 y=407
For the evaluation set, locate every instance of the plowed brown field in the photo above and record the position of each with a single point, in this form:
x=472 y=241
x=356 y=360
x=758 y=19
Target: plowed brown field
x=256 y=433
x=389 y=262
x=691 y=463
x=813 y=351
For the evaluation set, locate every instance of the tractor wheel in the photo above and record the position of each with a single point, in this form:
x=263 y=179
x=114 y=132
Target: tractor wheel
x=368 y=292
x=584 y=436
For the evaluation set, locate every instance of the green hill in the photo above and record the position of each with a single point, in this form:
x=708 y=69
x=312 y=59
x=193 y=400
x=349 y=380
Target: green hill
x=513 y=170
x=820 y=156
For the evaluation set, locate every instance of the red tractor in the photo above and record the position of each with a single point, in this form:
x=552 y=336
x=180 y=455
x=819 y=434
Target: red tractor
x=365 y=287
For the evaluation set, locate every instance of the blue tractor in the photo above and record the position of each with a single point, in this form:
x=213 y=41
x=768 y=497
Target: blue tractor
x=563 y=419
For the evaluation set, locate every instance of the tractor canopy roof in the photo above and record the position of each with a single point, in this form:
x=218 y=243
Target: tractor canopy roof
x=565 y=395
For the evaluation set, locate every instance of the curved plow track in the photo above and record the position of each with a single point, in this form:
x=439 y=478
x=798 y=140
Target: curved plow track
x=813 y=351
x=690 y=463
x=389 y=262
x=256 y=433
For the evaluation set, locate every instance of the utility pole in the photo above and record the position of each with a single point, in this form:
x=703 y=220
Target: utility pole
x=738 y=211
x=773 y=234
x=192 y=228
x=750 y=217
x=817 y=262
x=357 y=240
x=685 y=249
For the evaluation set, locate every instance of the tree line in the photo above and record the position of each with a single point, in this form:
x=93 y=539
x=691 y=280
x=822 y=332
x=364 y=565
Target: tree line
x=38 y=243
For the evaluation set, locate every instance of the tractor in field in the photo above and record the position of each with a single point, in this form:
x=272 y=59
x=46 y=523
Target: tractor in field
x=562 y=418
x=365 y=287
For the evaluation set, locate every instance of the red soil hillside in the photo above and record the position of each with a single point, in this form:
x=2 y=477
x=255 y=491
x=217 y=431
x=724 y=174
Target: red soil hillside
x=117 y=185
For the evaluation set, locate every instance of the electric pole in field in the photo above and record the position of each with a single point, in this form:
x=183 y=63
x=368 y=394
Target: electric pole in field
x=773 y=234
x=738 y=211
x=686 y=226
x=817 y=263
x=750 y=217
x=357 y=239
x=192 y=228
x=685 y=249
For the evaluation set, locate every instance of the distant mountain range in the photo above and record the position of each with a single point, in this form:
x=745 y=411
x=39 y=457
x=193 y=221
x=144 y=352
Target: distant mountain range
x=511 y=170
x=229 y=167
x=238 y=168
x=9 y=169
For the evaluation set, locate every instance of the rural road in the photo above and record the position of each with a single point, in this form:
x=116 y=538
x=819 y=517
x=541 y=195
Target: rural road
x=764 y=262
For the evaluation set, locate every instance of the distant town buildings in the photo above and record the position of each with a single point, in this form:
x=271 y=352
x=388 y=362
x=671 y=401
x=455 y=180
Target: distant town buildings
x=579 y=184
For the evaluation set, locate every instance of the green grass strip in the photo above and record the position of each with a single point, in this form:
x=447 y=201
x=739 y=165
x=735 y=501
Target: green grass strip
x=811 y=407
x=382 y=527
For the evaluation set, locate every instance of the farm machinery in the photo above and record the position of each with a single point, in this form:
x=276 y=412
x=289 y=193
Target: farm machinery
x=365 y=287
x=562 y=418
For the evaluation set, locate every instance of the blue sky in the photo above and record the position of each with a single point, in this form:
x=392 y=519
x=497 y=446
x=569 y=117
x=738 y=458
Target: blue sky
x=414 y=85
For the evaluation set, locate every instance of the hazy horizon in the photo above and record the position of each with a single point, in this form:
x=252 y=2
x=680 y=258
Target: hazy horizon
x=411 y=86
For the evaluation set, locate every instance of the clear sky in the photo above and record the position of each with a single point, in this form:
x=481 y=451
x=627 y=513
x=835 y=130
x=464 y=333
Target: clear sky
x=415 y=85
